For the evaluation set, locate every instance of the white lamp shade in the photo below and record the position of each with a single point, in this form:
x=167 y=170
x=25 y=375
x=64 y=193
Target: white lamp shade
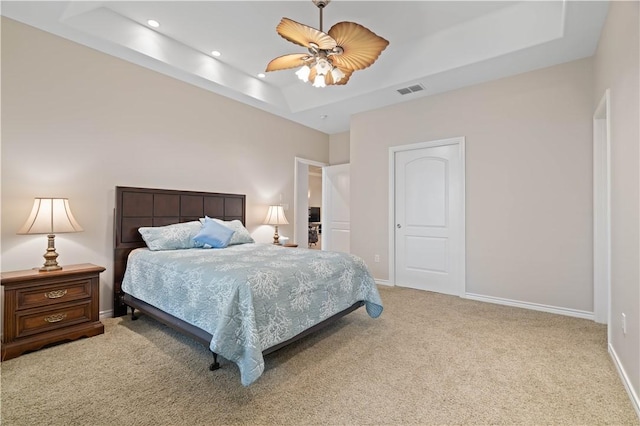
x=275 y=216
x=50 y=216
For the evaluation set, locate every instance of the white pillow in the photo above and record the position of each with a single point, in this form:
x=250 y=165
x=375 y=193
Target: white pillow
x=171 y=237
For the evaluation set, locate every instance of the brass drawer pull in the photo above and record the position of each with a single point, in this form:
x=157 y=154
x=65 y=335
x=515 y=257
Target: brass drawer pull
x=55 y=317
x=55 y=294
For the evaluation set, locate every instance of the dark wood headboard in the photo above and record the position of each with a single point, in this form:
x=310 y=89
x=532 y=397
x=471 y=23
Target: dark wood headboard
x=136 y=207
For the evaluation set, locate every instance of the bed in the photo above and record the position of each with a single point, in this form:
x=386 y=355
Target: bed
x=243 y=301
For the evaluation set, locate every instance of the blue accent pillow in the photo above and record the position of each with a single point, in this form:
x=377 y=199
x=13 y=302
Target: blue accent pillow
x=214 y=234
x=240 y=236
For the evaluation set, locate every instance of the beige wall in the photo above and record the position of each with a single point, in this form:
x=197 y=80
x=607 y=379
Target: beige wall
x=315 y=190
x=339 y=148
x=528 y=181
x=616 y=68
x=76 y=123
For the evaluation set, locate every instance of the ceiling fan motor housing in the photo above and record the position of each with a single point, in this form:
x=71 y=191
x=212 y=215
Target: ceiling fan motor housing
x=321 y=3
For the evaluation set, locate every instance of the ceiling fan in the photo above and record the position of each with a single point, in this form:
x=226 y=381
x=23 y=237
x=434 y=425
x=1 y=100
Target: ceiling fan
x=333 y=56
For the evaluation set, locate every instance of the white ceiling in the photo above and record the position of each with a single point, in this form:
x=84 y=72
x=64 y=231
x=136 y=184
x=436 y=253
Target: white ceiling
x=443 y=45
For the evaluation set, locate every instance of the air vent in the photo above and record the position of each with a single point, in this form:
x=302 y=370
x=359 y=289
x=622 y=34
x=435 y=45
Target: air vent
x=411 y=89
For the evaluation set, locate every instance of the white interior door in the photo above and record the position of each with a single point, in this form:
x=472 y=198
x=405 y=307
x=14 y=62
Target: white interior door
x=429 y=218
x=336 y=217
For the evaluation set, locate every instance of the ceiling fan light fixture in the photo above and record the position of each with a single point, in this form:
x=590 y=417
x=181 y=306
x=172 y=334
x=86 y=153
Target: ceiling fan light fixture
x=303 y=73
x=333 y=56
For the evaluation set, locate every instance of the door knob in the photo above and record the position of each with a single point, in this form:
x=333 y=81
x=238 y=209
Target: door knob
x=399 y=226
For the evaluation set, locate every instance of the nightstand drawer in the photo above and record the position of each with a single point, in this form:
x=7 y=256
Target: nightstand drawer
x=52 y=294
x=38 y=322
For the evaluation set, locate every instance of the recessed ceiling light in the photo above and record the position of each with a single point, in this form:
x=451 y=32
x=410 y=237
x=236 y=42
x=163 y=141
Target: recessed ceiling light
x=324 y=116
x=262 y=75
x=153 y=23
x=215 y=53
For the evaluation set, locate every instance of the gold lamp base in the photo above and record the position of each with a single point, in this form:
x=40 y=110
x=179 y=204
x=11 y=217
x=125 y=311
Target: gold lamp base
x=276 y=237
x=50 y=262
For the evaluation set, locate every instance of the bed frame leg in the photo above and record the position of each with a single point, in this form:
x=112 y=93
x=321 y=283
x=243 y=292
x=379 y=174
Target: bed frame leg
x=215 y=364
x=133 y=313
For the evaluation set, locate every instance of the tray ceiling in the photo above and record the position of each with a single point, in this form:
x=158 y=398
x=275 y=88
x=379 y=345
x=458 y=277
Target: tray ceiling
x=440 y=45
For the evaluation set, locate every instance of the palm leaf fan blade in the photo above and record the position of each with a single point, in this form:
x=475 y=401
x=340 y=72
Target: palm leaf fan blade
x=361 y=46
x=286 y=62
x=312 y=75
x=304 y=35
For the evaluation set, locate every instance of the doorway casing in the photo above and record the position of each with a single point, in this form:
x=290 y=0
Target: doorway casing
x=602 y=212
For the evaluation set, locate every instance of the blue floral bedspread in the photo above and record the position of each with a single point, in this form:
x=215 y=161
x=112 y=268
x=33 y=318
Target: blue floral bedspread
x=250 y=297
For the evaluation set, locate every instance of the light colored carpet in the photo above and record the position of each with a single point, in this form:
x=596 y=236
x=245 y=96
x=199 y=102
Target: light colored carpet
x=429 y=359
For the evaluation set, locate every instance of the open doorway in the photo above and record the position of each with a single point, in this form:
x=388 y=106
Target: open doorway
x=305 y=172
x=315 y=208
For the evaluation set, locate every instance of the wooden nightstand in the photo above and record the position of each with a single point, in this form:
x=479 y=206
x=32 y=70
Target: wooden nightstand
x=41 y=308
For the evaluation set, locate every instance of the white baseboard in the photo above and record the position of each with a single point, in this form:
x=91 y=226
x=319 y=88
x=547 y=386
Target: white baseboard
x=533 y=306
x=635 y=401
x=517 y=303
x=106 y=314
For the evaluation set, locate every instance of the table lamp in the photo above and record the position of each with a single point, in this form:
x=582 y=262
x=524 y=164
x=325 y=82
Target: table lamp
x=50 y=216
x=275 y=216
